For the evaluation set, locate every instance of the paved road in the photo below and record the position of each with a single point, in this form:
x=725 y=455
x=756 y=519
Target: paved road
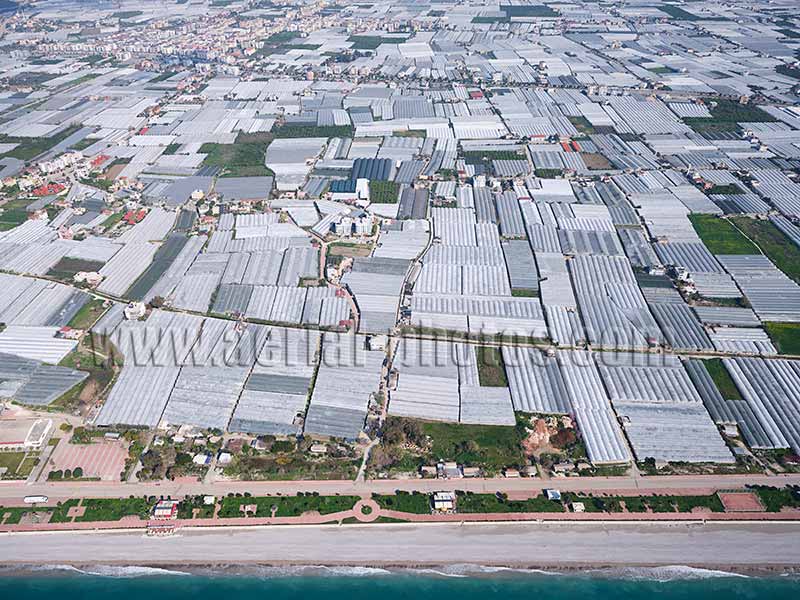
x=513 y=544
x=13 y=492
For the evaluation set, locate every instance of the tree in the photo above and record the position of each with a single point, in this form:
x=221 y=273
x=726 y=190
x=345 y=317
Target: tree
x=469 y=447
x=563 y=438
x=393 y=432
x=382 y=457
x=413 y=432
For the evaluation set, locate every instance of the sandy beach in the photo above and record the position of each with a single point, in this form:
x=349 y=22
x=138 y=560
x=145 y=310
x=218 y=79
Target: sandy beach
x=509 y=544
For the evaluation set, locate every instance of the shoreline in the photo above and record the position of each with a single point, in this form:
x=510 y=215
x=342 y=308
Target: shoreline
x=744 y=548
x=486 y=569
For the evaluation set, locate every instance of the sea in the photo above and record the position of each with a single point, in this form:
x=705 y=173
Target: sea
x=460 y=582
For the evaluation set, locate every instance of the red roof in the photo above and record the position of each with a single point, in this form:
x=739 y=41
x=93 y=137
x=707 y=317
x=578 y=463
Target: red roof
x=48 y=189
x=134 y=217
x=99 y=159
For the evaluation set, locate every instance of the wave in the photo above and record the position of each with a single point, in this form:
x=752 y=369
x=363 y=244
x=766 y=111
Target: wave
x=444 y=572
x=474 y=570
x=133 y=571
x=54 y=568
x=455 y=571
x=657 y=574
x=664 y=574
x=355 y=571
x=272 y=572
x=111 y=571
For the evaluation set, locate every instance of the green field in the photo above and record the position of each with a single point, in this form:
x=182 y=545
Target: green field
x=489 y=446
x=488 y=19
x=31 y=147
x=722 y=379
x=729 y=189
x=282 y=42
x=548 y=173
x=788 y=71
x=524 y=293
x=15 y=513
x=296 y=465
x=583 y=125
x=472 y=156
x=726 y=115
x=88 y=314
x=112 y=220
x=720 y=236
x=371 y=42
x=60 y=513
x=528 y=10
x=491 y=369
x=640 y=504
x=608 y=504
x=499 y=503
x=415 y=503
x=689 y=503
x=126 y=14
x=777 y=247
x=243 y=158
x=84 y=358
x=113 y=509
x=14 y=213
x=99 y=182
x=83 y=144
x=282 y=37
x=774 y=499
x=312 y=131
x=785 y=337
x=421 y=133
x=66 y=268
x=188 y=505
x=662 y=70
x=163 y=76
x=287 y=506
x=678 y=13
x=383 y=192
x=12 y=461
x=728 y=110
x=171 y=149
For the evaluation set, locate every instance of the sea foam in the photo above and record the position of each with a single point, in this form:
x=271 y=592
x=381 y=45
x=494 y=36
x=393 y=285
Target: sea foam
x=112 y=571
x=663 y=574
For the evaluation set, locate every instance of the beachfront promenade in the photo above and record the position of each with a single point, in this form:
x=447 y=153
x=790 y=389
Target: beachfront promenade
x=510 y=544
x=367 y=511
x=612 y=505
x=12 y=492
x=363 y=530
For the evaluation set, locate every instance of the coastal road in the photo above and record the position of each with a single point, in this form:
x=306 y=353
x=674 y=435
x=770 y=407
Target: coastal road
x=509 y=544
x=12 y=492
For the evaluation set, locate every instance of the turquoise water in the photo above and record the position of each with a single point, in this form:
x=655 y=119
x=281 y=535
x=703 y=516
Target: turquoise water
x=375 y=584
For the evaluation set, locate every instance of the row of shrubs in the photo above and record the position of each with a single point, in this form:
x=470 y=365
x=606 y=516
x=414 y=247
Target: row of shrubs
x=76 y=473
